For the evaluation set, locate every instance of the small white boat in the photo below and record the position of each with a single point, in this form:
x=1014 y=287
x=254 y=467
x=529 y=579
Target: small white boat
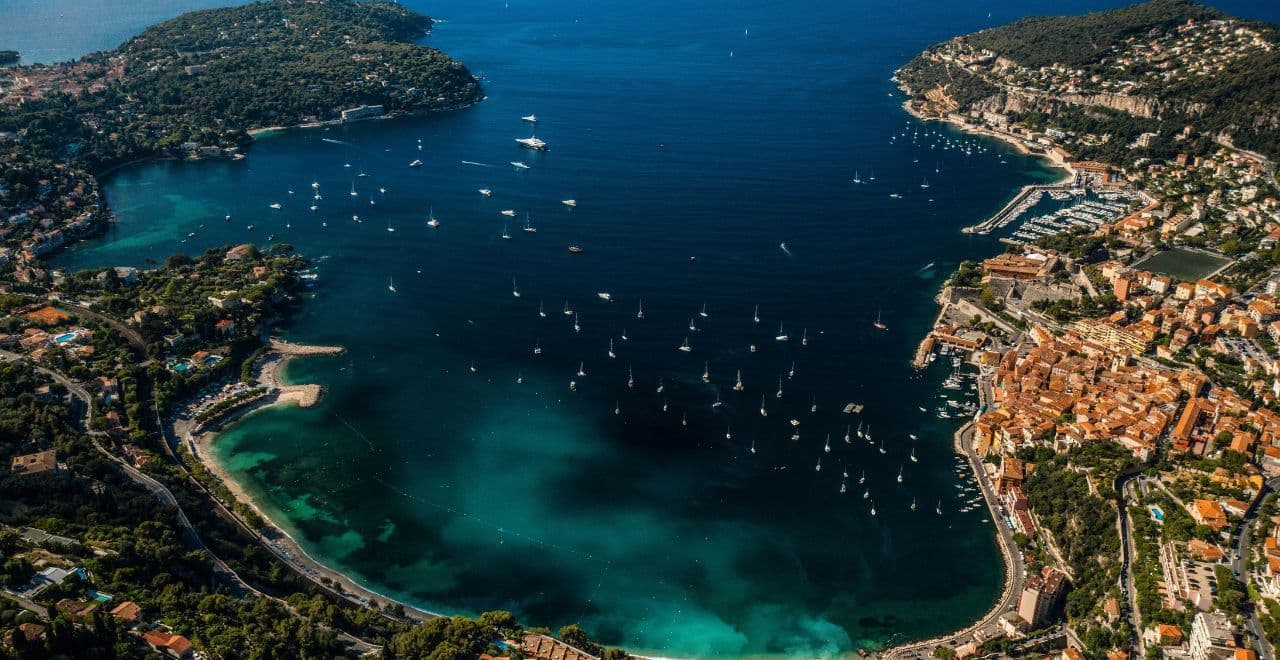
x=570 y=202
x=515 y=292
x=275 y=206
x=537 y=348
x=605 y=296
x=640 y=309
x=706 y=373
x=782 y=336
x=519 y=165
x=431 y=219
x=510 y=213
x=737 y=386
x=755 y=316
x=684 y=348
x=541 y=313
x=763 y=412
x=576 y=326
x=612 y=355
x=528 y=228
x=391 y=285
x=416 y=163
x=703 y=313
x=486 y=192
x=532 y=119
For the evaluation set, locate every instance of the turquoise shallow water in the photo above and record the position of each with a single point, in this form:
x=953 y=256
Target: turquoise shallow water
x=717 y=130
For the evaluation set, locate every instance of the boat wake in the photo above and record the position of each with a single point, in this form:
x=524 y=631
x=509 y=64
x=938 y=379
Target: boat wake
x=333 y=141
x=472 y=162
x=783 y=247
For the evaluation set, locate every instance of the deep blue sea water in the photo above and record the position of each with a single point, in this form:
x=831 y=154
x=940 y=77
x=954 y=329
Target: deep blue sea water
x=716 y=130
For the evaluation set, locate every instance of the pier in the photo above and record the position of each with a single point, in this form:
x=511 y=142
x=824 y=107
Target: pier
x=1012 y=210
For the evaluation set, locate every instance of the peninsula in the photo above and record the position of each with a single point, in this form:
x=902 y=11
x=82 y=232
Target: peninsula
x=1125 y=344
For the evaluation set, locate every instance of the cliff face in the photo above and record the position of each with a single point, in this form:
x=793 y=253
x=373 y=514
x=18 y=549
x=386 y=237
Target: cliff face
x=1022 y=101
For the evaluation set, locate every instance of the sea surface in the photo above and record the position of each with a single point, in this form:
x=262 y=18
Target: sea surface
x=697 y=139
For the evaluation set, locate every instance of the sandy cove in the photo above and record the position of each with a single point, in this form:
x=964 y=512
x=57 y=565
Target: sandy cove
x=270 y=372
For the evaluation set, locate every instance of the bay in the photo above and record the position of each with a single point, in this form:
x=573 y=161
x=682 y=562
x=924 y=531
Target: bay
x=696 y=139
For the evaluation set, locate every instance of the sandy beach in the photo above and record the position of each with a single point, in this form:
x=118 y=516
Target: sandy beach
x=270 y=372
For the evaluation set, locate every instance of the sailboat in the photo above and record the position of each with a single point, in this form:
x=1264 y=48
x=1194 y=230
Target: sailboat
x=804 y=337
x=869 y=441
x=640 y=309
x=913 y=504
x=623 y=336
x=939 y=509
x=860 y=436
x=703 y=313
x=847 y=439
x=899 y=474
x=863 y=478
x=664 y=404
x=873 y=509
x=883 y=451
x=661 y=386
x=706 y=372
x=684 y=348
x=684 y=419
x=576 y=326
x=753 y=446
x=856 y=178
x=879 y=325
x=755 y=316
x=568 y=311
x=782 y=336
x=844 y=487
x=737 y=386
x=473 y=367
x=631 y=380
x=792 y=372
x=779 y=395
x=515 y=292
x=431 y=218
x=827 y=447
x=913 y=456
x=528 y=227
x=813 y=407
x=506 y=232
x=717 y=403
x=692 y=326
x=611 y=353
x=353 y=189
x=541 y=313
x=617 y=407
x=924 y=183
x=537 y=347
x=818 y=467
x=763 y=412
x=581 y=371
x=391 y=285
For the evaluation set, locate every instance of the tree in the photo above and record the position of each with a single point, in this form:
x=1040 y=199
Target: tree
x=944 y=652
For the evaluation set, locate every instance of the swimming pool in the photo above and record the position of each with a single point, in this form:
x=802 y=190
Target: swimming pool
x=1157 y=514
x=65 y=337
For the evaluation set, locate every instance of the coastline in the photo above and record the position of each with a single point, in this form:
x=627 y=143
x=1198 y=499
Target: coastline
x=1010 y=563
x=272 y=536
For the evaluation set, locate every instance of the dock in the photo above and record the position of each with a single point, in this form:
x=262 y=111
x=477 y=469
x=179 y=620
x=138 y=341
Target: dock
x=1010 y=211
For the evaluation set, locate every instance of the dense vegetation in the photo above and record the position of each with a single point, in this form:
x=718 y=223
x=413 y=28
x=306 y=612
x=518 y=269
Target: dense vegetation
x=207 y=76
x=1240 y=103
x=1079 y=41
x=9 y=57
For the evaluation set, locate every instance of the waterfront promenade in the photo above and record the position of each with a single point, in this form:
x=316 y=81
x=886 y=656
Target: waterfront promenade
x=988 y=627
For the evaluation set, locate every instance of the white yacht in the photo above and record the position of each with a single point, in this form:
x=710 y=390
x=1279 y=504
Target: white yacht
x=782 y=336
x=532 y=142
x=570 y=202
x=275 y=206
x=416 y=163
x=532 y=119
x=519 y=165
x=486 y=192
x=510 y=213
x=605 y=296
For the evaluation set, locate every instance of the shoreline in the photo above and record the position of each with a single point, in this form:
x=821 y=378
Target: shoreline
x=271 y=535
x=1010 y=140
x=953 y=639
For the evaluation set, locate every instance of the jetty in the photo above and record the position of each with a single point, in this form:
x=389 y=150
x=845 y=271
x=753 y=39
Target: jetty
x=289 y=348
x=1010 y=211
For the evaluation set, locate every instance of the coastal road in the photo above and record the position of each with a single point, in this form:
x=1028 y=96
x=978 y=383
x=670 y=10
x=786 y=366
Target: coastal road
x=221 y=569
x=988 y=626
x=1240 y=566
x=1128 y=547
